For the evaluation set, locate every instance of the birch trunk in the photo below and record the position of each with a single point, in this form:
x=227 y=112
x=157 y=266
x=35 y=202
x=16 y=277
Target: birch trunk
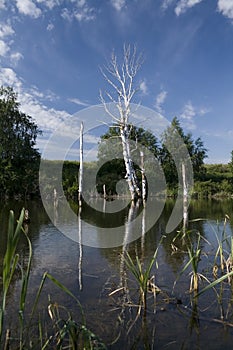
x=80 y=184
x=121 y=79
x=80 y=249
x=185 y=197
x=143 y=178
x=130 y=171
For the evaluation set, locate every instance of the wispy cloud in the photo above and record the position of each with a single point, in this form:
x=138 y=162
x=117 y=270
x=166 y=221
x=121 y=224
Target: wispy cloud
x=49 y=3
x=166 y=3
x=4 y=48
x=160 y=99
x=15 y=57
x=2 y=4
x=183 y=5
x=143 y=87
x=27 y=7
x=226 y=8
x=5 y=30
x=78 y=102
x=189 y=113
x=82 y=12
x=50 y=27
x=118 y=4
x=66 y=14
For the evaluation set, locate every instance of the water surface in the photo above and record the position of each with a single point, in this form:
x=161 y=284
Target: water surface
x=173 y=320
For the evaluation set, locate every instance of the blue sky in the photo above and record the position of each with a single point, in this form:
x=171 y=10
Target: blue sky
x=51 y=51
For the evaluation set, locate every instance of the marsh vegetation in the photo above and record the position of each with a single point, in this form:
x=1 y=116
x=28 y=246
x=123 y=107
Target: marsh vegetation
x=168 y=290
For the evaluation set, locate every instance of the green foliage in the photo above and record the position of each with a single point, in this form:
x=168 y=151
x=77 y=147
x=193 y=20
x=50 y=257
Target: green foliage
x=19 y=160
x=231 y=163
x=137 y=134
x=114 y=170
x=70 y=178
x=110 y=154
x=217 y=181
x=141 y=274
x=109 y=174
x=195 y=148
x=68 y=333
x=10 y=263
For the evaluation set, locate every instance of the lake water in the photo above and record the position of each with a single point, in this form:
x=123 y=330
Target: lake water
x=173 y=320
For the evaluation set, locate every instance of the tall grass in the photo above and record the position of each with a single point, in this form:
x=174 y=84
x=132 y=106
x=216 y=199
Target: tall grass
x=68 y=334
x=142 y=276
x=10 y=263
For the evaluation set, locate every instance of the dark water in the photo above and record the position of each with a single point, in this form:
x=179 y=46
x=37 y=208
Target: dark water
x=173 y=320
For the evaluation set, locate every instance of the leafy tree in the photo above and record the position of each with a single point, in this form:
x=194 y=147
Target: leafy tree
x=231 y=162
x=195 y=148
x=19 y=159
x=110 y=155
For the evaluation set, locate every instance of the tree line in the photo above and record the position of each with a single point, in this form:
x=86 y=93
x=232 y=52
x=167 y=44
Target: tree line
x=114 y=170
x=20 y=159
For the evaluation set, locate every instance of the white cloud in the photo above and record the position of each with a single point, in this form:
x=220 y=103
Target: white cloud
x=160 y=99
x=143 y=87
x=118 y=4
x=187 y=116
x=4 y=48
x=184 y=5
x=9 y=77
x=84 y=12
x=81 y=3
x=6 y=30
x=50 y=27
x=78 y=102
x=190 y=112
x=84 y=16
x=226 y=8
x=15 y=57
x=204 y=110
x=166 y=4
x=27 y=7
x=46 y=118
x=49 y=3
x=2 y=4
x=66 y=14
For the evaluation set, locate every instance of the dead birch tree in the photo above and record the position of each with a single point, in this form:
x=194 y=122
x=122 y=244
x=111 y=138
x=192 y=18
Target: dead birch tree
x=121 y=78
x=80 y=185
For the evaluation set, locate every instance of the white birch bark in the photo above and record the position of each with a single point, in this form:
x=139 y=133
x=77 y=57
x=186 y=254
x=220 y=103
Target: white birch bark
x=185 y=197
x=143 y=178
x=80 y=249
x=121 y=79
x=80 y=184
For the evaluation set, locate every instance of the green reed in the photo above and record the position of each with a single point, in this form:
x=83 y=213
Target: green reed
x=142 y=275
x=10 y=263
x=194 y=254
x=68 y=333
